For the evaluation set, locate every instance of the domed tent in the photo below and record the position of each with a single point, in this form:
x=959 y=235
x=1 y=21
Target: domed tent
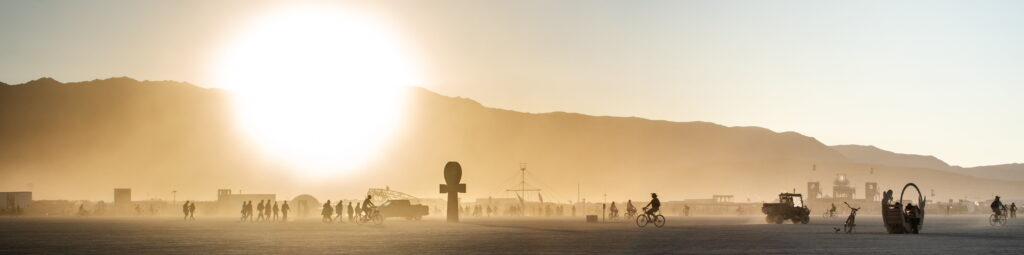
x=304 y=205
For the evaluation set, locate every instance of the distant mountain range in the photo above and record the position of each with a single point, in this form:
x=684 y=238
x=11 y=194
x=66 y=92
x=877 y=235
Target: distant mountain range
x=119 y=132
x=873 y=155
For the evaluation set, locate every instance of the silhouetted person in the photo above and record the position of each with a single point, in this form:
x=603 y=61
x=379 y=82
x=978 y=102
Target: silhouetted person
x=367 y=205
x=138 y=210
x=359 y=210
x=1013 y=210
x=284 y=211
x=249 y=211
x=267 y=210
x=192 y=211
x=276 y=210
x=997 y=206
x=686 y=210
x=327 y=212
x=184 y=209
x=613 y=211
x=259 y=208
x=630 y=209
x=244 y=212
x=350 y=212
x=340 y=210
x=654 y=205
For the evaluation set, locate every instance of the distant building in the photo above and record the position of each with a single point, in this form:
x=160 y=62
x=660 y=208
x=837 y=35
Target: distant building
x=9 y=201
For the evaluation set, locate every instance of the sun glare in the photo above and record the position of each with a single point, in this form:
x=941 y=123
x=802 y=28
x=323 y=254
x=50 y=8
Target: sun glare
x=318 y=87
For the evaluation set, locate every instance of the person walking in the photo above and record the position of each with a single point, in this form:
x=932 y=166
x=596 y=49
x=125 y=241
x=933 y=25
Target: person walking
x=184 y=209
x=340 y=210
x=244 y=205
x=284 y=211
x=350 y=212
x=327 y=212
x=192 y=211
x=259 y=209
x=276 y=210
x=1013 y=210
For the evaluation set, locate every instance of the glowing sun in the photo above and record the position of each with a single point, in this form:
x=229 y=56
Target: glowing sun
x=317 y=87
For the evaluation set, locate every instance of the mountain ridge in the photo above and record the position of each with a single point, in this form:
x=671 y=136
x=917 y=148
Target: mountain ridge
x=166 y=135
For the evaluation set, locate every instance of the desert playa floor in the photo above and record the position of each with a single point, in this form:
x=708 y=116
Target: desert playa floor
x=699 y=234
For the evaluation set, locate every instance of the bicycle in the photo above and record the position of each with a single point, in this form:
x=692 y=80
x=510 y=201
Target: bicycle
x=851 y=220
x=829 y=214
x=630 y=214
x=372 y=216
x=997 y=219
x=643 y=219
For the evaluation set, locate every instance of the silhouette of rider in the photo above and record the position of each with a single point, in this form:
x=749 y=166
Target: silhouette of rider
x=654 y=205
x=833 y=210
x=614 y=210
x=997 y=206
x=367 y=205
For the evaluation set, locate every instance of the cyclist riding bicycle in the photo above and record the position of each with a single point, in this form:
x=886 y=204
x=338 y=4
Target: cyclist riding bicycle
x=997 y=206
x=654 y=205
x=833 y=210
x=368 y=205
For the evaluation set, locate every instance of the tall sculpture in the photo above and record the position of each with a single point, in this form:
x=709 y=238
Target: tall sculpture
x=452 y=176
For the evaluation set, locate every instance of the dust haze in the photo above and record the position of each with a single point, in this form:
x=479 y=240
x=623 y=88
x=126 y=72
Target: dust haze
x=80 y=140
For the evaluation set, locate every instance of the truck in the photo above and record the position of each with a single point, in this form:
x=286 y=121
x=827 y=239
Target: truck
x=403 y=208
x=790 y=207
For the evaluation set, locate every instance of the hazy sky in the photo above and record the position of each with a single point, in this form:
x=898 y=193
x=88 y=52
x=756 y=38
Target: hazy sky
x=941 y=78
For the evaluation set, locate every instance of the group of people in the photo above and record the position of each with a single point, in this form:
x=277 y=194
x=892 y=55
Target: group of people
x=999 y=208
x=265 y=211
x=336 y=213
x=477 y=210
x=189 y=209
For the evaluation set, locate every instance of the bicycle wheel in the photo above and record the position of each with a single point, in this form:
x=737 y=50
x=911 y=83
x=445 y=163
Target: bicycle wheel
x=641 y=220
x=659 y=221
x=993 y=220
x=377 y=219
x=1002 y=220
